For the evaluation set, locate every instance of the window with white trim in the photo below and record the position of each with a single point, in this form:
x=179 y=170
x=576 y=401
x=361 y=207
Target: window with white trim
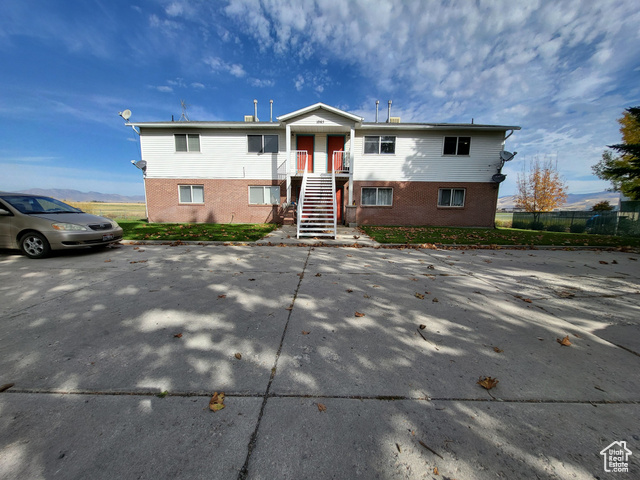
x=191 y=193
x=451 y=197
x=189 y=142
x=385 y=144
x=264 y=195
x=262 y=143
x=377 y=196
x=456 y=146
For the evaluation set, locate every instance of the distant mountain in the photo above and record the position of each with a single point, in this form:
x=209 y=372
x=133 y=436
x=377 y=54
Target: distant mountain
x=77 y=196
x=575 y=201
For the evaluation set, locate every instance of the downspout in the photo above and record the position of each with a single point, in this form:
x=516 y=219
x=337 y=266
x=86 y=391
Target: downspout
x=144 y=177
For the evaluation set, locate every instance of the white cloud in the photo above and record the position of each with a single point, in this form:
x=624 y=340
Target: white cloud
x=299 y=82
x=220 y=66
x=260 y=83
x=164 y=89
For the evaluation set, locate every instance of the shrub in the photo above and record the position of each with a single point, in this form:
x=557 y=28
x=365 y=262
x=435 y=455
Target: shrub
x=577 y=228
x=536 y=226
x=556 y=228
x=521 y=225
x=503 y=224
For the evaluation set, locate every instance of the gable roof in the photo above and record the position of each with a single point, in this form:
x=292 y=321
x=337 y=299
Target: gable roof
x=317 y=106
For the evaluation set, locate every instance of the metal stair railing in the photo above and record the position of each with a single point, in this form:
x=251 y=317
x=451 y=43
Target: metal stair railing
x=335 y=207
x=303 y=191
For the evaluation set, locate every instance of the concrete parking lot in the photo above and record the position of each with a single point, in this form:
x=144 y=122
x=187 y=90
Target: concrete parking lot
x=114 y=356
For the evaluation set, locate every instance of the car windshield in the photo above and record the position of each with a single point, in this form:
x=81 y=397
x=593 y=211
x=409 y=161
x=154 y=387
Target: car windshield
x=29 y=204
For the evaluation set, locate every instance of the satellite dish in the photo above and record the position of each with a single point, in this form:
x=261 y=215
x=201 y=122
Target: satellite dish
x=126 y=114
x=499 y=178
x=506 y=156
x=141 y=164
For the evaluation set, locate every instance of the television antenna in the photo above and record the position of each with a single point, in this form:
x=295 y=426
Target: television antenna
x=184 y=116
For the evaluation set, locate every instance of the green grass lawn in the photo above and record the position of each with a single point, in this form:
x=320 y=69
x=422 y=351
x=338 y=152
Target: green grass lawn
x=236 y=232
x=489 y=236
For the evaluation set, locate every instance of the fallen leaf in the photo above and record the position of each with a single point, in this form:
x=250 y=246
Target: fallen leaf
x=431 y=267
x=222 y=296
x=349 y=290
x=217 y=402
x=435 y=300
x=565 y=341
x=422 y=327
x=238 y=356
x=528 y=300
x=252 y=279
x=487 y=382
x=6 y=386
x=603 y=262
x=305 y=332
x=435 y=469
x=322 y=408
x=497 y=350
x=420 y=296
x=107 y=261
x=614 y=262
x=318 y=274
x=178 y=335
x=367 y=296
x=358 y=314
x=162 y=394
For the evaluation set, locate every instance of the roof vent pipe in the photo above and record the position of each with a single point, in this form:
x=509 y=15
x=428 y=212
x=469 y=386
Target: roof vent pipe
x=255 y=110
x=271 y=111
x=389 y=113
x=377 y=103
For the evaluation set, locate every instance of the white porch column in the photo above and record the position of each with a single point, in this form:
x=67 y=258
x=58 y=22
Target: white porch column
x=351 y=164
x=288 y=142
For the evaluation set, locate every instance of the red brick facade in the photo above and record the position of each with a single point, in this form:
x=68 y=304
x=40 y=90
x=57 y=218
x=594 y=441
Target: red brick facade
x=225 y=201
x=414 y=203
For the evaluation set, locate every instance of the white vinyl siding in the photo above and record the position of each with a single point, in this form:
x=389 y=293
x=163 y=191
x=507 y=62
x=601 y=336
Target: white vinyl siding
x=191 y=193
x=260 y=195
x=377 y=196
x=223 y=155
x=418 y=158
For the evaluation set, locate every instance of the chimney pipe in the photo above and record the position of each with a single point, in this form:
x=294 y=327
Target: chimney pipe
x=377 y=103
x=271 y=111
x=255 y=110
x=389 y=112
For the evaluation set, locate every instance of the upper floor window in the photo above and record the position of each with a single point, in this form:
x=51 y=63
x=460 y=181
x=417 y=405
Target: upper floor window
x=262 y=143
x=456 y=145
x=379 y=144
x=187 y=142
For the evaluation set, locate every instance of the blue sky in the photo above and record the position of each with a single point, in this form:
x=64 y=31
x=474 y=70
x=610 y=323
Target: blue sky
x=563 y=70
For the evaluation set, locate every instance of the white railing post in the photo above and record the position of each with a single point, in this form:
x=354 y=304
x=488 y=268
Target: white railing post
x=335 y=207
x=303 y=189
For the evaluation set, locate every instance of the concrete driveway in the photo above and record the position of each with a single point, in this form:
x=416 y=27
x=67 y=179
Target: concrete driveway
x=335 y=379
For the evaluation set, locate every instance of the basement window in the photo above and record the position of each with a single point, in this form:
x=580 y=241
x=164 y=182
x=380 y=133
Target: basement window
x=377 y=197
x=191 y=193
x=451 y=197
x=264 y=195
x=262 y=143
x=187 y=142
x=456 y=146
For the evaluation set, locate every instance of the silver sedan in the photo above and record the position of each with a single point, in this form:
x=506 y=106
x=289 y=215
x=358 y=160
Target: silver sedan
x=36 y=225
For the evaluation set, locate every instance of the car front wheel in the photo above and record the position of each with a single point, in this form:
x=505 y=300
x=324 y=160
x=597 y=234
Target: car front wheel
x=34 y=245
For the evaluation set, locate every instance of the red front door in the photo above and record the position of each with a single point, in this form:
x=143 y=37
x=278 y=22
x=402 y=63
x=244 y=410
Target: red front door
x=335 y=143
x=305 y=143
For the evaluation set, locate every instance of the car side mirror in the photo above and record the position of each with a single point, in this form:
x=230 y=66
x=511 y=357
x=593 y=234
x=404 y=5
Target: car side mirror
x=4 y=212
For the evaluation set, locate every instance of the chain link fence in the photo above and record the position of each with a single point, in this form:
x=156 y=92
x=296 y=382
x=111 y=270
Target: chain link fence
x=624 y=223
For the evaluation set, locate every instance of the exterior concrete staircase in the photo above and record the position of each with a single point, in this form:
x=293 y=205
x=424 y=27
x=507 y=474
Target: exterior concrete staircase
x=317 y=206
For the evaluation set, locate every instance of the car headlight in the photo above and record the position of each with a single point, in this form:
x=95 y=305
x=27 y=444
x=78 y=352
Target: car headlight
x=69 y=227
x=114 y=224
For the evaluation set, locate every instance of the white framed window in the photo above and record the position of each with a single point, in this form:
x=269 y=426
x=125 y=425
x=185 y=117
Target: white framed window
x=377 y=196
x=260 y=195
x=451 y=197
x=262 y=143
x=191 y=193
x=456 y=146
x=376 y=144
x=187 y=142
